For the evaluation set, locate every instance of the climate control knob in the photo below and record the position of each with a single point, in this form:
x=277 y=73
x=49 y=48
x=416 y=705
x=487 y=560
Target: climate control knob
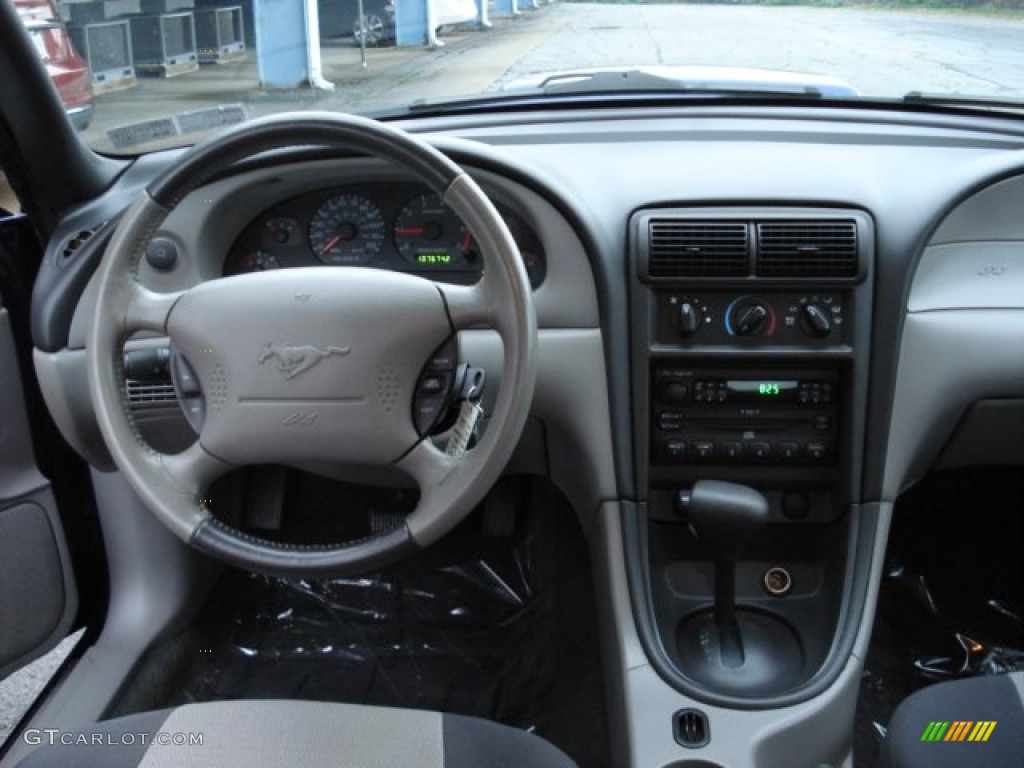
x=815 y=320
x=749 y=317
x=688 y=318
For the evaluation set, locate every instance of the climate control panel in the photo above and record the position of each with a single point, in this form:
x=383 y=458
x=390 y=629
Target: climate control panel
x=816 y=319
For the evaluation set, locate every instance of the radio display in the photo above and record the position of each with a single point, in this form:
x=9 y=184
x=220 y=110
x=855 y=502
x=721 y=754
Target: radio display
x=762 y=391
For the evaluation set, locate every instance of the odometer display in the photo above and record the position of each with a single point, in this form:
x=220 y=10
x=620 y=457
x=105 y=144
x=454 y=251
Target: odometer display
x=347 y=229
x=430 y=235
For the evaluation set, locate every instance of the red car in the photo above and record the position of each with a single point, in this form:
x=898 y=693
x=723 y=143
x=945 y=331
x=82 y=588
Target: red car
x=68 y=70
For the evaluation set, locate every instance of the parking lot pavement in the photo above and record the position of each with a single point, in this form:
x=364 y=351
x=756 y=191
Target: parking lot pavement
x=470 y=60
x=881 y=53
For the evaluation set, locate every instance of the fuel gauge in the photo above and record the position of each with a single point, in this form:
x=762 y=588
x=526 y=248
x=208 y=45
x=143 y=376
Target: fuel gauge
x=280 y=230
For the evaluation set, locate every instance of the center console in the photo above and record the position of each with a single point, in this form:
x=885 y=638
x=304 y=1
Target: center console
x=750 y=328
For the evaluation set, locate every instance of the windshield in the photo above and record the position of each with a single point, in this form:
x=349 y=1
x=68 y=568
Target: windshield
x=166 y=71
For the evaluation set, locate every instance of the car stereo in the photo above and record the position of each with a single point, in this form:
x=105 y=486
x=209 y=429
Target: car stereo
x=743 y=416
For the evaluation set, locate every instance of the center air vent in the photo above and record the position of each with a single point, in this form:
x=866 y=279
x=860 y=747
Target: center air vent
x=682 y=248
x=807 y=248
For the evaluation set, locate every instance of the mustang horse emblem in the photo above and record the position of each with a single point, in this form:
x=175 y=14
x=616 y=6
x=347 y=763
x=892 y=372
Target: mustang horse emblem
x=293 y=360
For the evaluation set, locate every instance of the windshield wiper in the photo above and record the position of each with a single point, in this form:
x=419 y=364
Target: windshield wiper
x=958 y=100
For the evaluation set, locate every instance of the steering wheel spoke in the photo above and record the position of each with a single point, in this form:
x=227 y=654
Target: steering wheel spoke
x=469 y=306
x=148 y=310
x=194 y=469
x=428 y=465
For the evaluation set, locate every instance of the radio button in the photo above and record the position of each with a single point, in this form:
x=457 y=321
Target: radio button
x=816 y=451
x=759 y=451
x=675 y=450
x=674 y=391
x=670 y=421
x=730 y=451
x=702 y=449
x=787 y=450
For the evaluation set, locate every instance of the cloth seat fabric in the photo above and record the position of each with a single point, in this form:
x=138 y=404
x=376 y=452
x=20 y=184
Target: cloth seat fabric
x=258 y=734
x=978 y=721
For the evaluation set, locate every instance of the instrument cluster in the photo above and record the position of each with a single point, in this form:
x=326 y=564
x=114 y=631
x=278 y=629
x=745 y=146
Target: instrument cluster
x=400 y=227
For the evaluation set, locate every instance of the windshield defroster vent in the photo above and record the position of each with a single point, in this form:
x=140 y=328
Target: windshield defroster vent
x=697 y=248
x=807 y=249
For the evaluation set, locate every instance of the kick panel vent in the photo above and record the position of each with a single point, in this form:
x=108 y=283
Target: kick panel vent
x=681 y=248
x=692 y=729
x=807 y=248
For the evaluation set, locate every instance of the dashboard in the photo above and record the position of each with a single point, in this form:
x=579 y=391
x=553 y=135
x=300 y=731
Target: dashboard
x=397 y=227
x=677 y=341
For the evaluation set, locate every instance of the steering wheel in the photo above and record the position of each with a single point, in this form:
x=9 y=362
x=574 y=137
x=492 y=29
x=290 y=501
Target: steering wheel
x=311 y=364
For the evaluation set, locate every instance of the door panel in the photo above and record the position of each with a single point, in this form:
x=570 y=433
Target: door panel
x=38 y=599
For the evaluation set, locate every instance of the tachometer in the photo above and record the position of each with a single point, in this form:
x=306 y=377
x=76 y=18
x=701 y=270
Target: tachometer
x=430 y=235
x=347 y=229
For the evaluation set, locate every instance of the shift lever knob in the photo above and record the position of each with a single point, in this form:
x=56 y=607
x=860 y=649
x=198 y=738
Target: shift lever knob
x=723 y=515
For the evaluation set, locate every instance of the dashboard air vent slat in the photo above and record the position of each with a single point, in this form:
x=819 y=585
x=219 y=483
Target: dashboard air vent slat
x=149 y=392
x=680 y=248
x=807 y=249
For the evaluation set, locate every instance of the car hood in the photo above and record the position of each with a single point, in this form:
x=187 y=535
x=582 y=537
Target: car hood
x=703 y=79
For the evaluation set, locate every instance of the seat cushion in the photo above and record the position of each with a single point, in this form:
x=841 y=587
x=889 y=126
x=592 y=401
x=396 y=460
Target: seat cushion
x=974 y=722
x=253 y=734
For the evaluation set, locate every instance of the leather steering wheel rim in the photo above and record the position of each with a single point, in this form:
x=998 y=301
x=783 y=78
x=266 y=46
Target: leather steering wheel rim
x=376 y=375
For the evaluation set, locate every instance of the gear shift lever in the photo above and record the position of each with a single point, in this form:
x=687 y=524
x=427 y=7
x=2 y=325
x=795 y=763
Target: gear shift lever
x=725 y=516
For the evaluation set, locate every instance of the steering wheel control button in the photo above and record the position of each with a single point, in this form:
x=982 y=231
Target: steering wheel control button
x=162 y=254
x=432 y=384
x=194 y=409
x=185 y=380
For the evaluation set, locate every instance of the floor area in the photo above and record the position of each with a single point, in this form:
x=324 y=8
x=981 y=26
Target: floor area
x=952 y=598
x=497 y=621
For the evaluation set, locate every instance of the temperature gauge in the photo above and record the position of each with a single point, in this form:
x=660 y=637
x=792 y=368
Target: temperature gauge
x=254 y=261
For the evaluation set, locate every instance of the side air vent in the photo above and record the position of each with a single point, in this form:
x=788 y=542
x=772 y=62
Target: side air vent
x=691 y=728
x=149 y=392
x=807 y=248
x=681 y=248
x=74 y=243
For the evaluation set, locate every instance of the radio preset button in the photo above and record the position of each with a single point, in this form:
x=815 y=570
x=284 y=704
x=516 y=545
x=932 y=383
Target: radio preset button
x=731 y=451
x=702 y=449
x=759 y=451
x=675 y=450
x=816 y=451
x=787 y=450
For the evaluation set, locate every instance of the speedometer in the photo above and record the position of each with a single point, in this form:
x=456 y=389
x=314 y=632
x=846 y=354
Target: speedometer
x=347 y=229
x=430 y=235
